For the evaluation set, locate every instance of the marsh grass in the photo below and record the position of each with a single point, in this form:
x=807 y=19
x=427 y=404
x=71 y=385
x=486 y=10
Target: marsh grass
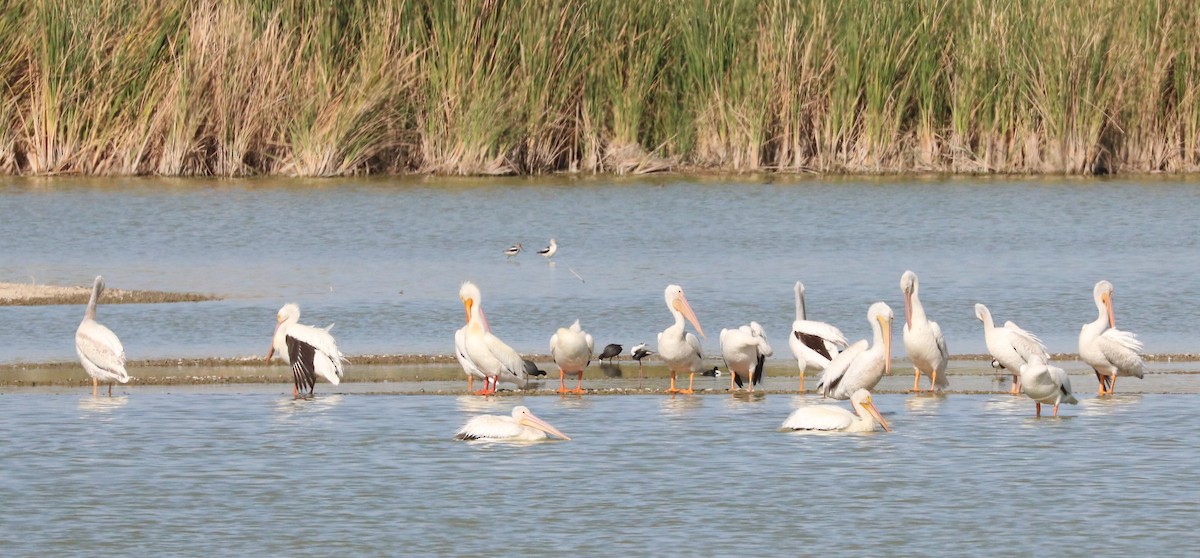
x=310 y=88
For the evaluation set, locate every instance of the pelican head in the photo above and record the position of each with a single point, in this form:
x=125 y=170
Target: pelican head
x=290 y=313
x=678 y=303
x=471 y=299
x=861 y=400
x=983 y=313
x=525 y=417
x=1102 y=293
x=881 y=314
x=908 y=284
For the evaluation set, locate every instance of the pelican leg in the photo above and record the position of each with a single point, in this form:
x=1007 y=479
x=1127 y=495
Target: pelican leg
x=485 y=391
x=731 y=384
x=579 y=384
x=295 y=390
x=95 y=387
x=933 y=382
x=916 y=379
x=470 y=384
x=1039 y=409
x=672 y=388
x=562 y=386
x=1016 y=385
x=1112 y=383
x=1056 y=409
x=110 y=389
x=691 y=378
x=802 y=381
x=1100 y=378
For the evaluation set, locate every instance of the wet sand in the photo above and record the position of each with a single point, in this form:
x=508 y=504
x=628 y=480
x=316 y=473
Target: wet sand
x=26 y=294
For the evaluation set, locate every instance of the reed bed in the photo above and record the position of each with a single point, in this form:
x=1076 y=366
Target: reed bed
x=315 y=88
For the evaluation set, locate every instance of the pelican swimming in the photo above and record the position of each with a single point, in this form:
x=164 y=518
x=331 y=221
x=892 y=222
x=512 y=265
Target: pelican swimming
x=549 y=251
x=813 y=344
x=485 y=351
x=310 y=350
x=513 y=250
x=611 y=351
x=679 y=349
x=1011 y=347
x=745 y=349
x=859 y=367
x=923 y=338
x=1108 y=350
x=572 y=351
x=1046 y=384
x=522 y=426
x=829 y=418
x=99 y=350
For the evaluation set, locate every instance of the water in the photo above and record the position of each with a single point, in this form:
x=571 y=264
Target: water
x=245 y=471
x=383 y=258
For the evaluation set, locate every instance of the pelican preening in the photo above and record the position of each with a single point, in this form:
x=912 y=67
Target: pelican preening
x=522 y=426
x=1046 y=384
x=1011 y=347
x=1109 y=351
x=99 y=350
x=813 y=344
x=611 y=351
x=572 y=352
x=745 y=350
x=513 y=250
x=923 y=338
x=485 y=351
x=859 y=367
x=549 y=251
x=677 y=348
x=310 y=350
x=830 y=418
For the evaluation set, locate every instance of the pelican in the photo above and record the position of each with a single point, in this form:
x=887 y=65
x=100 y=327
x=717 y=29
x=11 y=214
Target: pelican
x=814 y=344
x=1011 y=347
x=513 y=250
x=679 y=349
x=859 y=367
x=485 y=351
x=522 y=426
x=611 y=351
x=99 y=350
x=831 y=418
x=572 y=351
x=923 y=338
x=310 y=350
x=1108 y=350
x=549 y=251
x=745 y=349
x=460 y=352
x=1046 y=384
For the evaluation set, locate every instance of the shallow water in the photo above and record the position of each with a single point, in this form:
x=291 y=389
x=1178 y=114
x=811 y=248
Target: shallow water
x=383 y=258
x=215 y=472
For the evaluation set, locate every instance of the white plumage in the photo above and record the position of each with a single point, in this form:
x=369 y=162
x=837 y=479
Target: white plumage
x=549 y=251
x=677 y=348
x=460 y=352
x=860 y=367
x=1108 y=350
x=923 y=339
x=522 y=426
x=1011 y=346
x=827 y=418
x=572 y=351
x=99 y=350
x=485 y=351
x=1046 y=384
x=311 y=351
x=745 y=350
x=813 y=343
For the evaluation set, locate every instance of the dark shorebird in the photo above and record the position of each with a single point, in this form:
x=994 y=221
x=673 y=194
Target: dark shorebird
x=513 y=250
x=639 y=352
x=549 y=251
x=531 y=369
x=611 y=351
x=714 y=373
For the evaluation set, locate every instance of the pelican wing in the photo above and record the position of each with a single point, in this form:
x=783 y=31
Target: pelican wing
x=819 y=417
x=835 y=371
x=1026 y=344
x=100 y=346
x=512 y=367
x=940 y=340
x=301 y=355
x=820 y=330
x=1123 y=350
x=1064 y=384
x=694 y=343
x=489 y=427
x=327 y=360
x=460 y=352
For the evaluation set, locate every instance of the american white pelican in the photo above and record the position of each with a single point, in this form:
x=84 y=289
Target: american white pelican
x=1108 y=350
x=485 y=351
x=310 y=350
x=522 y=426
x=1046 y=384
x=813 y=344
x=460 y=352
x=1011 y=347
x=513 y=250
x=99 y=350
x=830 y=418
x=611 y=351
x=572 y=351
x=745 y=349
x=859 y=367
x=923 y=338
x=679 y=349
x=549 y=251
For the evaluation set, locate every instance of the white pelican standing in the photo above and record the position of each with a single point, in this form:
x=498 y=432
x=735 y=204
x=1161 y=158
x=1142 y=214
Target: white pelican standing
x=522 y=426
x=1010 y=346
x=1046 y=384
x=485 y=351
x=1108 y=350
x=572 y=351
x=830 y=418
x=745 y=350
x=859 y=367
x=460 y=352
x=549 y=251
x=677 y=348
x=923 y=338
x=310 y=350
x=813 y=344
x=99 y=350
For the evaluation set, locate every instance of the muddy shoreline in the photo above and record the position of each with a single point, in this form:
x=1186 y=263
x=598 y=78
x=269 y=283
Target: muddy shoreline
x=29 y=294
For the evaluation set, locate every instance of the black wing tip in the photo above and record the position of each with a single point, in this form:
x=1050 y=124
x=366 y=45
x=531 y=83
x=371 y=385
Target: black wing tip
x=465 y=436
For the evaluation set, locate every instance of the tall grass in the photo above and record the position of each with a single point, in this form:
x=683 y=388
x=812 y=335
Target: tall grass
x=314 y=88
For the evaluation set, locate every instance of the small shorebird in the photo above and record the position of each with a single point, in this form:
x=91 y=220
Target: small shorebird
x=639 y=352
x=513 y=250
x=611 y=351
x=549 y=251
x=522 y=426
x=99 y=350
x=714 y=373
x=310 y=350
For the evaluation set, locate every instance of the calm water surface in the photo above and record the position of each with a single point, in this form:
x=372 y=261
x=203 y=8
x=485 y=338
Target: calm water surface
x=254 y=473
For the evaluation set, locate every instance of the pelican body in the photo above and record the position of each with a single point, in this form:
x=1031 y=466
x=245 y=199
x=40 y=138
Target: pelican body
x=572 y=351
x=1011 y=347
x=830 y=418
x=1108 y=350
x=486 y=352
x=311 y=351
x=522 y=426
x=1046 y=384
x=923 y=338
x=860 y=367
x=813 y=344
x=745 y=350
x=679 y=349
x=99 y=350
